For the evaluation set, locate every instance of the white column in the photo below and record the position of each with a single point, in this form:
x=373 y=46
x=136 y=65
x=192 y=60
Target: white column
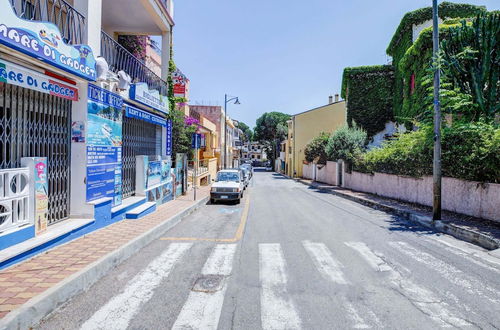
x=92 y=10
x=78 y=206
x=165 y=54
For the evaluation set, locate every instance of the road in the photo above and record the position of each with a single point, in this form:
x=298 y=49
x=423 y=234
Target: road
x=305 y=260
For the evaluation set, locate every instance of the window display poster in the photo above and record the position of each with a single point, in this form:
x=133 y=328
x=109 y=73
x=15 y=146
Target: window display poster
x=104 y=141
x=41 y=194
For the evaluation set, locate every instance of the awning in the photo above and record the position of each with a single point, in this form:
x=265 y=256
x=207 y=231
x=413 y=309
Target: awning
x=133 y=112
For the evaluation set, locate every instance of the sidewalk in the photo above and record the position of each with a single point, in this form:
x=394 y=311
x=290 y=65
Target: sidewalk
x=33 y=277
x=482 y=232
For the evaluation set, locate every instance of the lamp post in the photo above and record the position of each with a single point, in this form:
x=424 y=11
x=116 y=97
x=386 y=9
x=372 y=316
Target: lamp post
x=226 y=101
x=436 y=165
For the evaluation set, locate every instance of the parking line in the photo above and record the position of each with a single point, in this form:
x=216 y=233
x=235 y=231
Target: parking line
x=237 y=236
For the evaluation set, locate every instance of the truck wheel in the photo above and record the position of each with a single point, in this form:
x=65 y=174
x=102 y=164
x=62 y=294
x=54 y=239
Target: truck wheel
x=212 y=201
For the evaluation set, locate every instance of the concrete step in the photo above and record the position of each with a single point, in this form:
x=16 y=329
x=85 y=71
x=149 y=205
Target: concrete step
x=141 y=210
x=118 y=212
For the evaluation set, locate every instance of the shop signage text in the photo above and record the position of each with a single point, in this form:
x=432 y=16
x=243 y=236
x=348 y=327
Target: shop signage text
x=141 y=93
x=43 y=41
x=133 y=112
x=17 y=75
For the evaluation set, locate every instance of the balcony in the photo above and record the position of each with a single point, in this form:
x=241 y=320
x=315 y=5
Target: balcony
x=147 y=17
x=119 y=58
x=69 y=21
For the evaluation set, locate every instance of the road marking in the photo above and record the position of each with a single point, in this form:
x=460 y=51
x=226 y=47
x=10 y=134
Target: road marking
x=237 y=235
x=469 y=253
x=117 y=312
x=323 y=259
x=353 y=314
x=202 y=309
x=423 y=299
x=277 y=310
x=372 y=259
x=449 y=272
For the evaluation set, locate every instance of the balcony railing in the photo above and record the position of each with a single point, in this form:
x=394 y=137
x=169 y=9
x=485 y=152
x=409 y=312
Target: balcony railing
x=69 y=21
x=119 y=58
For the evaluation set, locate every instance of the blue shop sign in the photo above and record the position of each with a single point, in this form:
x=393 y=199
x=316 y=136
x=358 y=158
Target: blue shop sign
x=100 y=181
x=141 y=93
x=133 y=112
x=43 y=41
x=169 y=138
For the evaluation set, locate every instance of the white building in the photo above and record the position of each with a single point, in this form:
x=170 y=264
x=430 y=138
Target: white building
x=70 y=100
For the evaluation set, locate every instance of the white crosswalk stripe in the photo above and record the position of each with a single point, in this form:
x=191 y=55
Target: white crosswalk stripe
x=202 y=309
x=117 y=313
x=449 y=272
x=324 y=262
x=277 y=309
x=422 y=298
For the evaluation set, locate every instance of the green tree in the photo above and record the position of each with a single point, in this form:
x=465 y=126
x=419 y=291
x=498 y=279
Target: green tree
x=181 y=131
x=271 y=128
x=247 y=132
x=346 y=143
x=471 y=62
x=316 y=149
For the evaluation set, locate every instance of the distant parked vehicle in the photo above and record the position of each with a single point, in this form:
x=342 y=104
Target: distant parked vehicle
x=269 y=168
x=246 y=176
x=248 y=167
x=229 y=185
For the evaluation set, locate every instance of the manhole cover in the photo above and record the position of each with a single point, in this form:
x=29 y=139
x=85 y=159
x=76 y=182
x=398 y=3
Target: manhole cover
x=208 y=283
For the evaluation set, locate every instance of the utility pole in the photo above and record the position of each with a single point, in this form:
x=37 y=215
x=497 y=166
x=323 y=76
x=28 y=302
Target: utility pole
x=436 y=166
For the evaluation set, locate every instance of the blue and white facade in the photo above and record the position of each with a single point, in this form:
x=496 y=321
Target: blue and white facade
x=80 y=116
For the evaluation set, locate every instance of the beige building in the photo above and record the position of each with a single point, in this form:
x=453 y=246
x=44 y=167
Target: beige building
x=305 y=126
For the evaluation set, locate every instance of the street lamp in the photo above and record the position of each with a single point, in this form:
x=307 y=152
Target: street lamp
x=226 y=101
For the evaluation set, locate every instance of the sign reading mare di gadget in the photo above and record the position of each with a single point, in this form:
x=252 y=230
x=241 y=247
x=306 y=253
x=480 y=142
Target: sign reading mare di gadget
x=17 y=75
x=141 y=93
x=104 y=145
x=43 y=41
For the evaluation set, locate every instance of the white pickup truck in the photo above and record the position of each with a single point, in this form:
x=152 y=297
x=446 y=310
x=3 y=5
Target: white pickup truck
x=228 y=185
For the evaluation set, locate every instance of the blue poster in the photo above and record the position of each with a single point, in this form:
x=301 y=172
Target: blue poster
x=43 y=41
x=104 y=118
x=100 y=181
x=104 y=141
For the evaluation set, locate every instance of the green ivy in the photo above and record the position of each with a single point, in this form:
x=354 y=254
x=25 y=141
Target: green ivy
x=369 y=94
x=402 y=41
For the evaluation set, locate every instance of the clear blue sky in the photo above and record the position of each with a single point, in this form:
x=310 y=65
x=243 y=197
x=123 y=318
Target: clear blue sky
x=281 y=55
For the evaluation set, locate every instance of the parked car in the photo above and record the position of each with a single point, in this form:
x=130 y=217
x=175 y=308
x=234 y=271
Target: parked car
x=228 y=185
x=246 y=175
x=269 y=167
x=248 y=167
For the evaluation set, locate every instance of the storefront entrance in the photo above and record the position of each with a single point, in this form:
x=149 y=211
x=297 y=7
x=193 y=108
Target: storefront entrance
x=139 y=138
x=37 y=124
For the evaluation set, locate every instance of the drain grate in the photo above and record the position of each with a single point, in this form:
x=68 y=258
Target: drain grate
x=208 y=283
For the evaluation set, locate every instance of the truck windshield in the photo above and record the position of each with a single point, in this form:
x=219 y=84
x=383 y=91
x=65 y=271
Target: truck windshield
x=228 y=176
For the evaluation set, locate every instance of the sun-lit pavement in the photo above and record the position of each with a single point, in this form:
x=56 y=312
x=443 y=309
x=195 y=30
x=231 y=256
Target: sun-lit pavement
x=305 y=260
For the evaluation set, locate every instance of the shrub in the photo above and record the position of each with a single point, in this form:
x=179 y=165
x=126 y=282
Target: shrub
x=470 y=151
x=315 y=150
x=346 y=143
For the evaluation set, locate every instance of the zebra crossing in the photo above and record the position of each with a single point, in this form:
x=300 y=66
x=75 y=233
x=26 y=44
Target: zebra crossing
x=279 y=309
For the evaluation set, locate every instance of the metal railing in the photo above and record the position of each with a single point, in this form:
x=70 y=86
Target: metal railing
x=69 y=21
x=199 y=167
x=119 y=58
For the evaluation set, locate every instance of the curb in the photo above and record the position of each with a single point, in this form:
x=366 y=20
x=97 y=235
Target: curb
x=464 y=234
x=40 y=306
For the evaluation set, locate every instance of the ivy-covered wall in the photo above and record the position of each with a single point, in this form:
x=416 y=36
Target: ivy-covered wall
x=417 y=62
x=369 y=94
x=402 y=41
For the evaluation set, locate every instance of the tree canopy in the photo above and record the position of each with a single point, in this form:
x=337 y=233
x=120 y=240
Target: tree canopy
x=271 y=128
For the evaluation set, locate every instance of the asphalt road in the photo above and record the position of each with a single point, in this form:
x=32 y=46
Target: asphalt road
x=306 y=260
